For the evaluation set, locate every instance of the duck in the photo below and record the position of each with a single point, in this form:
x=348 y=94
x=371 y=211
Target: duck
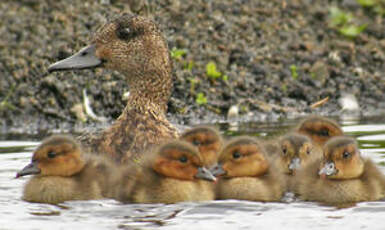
x=320 y=129
x=295 y=151
x=245 y=172
x=207 y=139
x=134 y=46
x=61 y=171
x=342 y=177
x=172 y=172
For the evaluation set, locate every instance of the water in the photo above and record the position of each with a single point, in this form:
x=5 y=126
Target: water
x=229 y=214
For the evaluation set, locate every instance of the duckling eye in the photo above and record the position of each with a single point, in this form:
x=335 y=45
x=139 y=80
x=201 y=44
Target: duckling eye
x=196 y=142
x=346 y=155
x=236 y=155
x=123 y=33
x=183 y=159
x=284 y=150
x=324 y=132
x=51 y=154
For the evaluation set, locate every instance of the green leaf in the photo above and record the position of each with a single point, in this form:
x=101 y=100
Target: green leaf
x=178 y=53
x=366 y=3
x=225 y=77
x=211 y=70
x=294 y=73
x=338 y=17
x=201 y=99
x=352 y=31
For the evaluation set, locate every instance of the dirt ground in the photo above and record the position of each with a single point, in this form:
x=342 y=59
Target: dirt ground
x=275 y=59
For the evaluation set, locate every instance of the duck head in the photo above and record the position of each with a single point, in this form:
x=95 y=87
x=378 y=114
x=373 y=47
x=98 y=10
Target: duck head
x=180 y=160
x=207 y=140
x=319 y=129
x=134 y=46
x=241 y=157
x=295 y=151
x=56 y=156
x=341 y=159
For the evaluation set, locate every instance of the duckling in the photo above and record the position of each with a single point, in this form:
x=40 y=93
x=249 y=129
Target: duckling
x=62 y=172
x=342 y=177
x=207 y=140
x=319 y=129
x=246 y=173
x=135 y=47
x=173 y=172
x=296 y=151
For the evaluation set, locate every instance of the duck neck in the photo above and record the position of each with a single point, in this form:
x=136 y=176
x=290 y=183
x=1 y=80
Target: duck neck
x=150 y=92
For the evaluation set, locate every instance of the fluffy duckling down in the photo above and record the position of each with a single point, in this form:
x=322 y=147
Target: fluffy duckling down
x=62 y=172
x=174 y=172
x=319 y=129
x=342 y=177
x=246 y=173
x=208 y=140
x=295 y=152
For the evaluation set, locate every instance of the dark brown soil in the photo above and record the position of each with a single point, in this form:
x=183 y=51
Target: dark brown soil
x=254 y=43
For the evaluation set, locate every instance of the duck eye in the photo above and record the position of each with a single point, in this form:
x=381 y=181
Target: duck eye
x=236 y=155
x=284 y=150
x=324 y=132
x=346 y=155
x=51 y=154
x=196 y=142
x=123 y=33
x=183 y=159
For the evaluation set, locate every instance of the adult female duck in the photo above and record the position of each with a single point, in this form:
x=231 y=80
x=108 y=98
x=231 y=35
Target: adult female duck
x=135 y=47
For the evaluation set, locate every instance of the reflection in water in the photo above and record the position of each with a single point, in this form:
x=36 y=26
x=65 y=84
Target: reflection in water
x=228 y=214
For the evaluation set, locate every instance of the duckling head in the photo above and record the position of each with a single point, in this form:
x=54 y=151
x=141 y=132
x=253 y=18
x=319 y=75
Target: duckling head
x=295 y=150
x=242 y=157
x=207 y=140
x=132 y=45
x=180 y=160
x=319 y=129
x=56 y=156
x=341 y=159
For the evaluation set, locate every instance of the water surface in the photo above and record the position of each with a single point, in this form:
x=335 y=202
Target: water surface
x=229 y=214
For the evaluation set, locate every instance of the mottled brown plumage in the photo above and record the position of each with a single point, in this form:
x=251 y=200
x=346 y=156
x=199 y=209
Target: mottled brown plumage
x=246 y=172
x=342 y=177
x=135 y=47
x=208 y=140
x=319 y=129
x=63 y=172
x=173 y=172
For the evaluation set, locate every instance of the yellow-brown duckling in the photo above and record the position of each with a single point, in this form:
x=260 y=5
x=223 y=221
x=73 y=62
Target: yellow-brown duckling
x=134 y=46
x=62 y=172
x=246 y=173
x=295 y=151
x=173 y=173
x=319 y=129
x=208 y=140
x=342 y=177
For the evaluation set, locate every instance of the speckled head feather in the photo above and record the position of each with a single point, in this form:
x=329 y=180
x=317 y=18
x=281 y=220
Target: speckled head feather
x=296 y=140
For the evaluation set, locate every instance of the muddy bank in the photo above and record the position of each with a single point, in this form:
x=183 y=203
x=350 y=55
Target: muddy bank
x=273 y=59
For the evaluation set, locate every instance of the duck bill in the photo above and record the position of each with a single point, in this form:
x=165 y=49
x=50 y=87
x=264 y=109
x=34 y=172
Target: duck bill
x=28 y=170
x=218 y=170
x=329 y=169
x=205 y=174
x=295 y=164
x=84 y=59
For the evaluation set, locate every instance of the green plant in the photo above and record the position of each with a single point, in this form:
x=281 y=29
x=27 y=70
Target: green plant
x=378 y=6
x=294 y=73
x=188 y=65
x=343 y=23
x=201 y=99
x=177 y=54
x=211 y=70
